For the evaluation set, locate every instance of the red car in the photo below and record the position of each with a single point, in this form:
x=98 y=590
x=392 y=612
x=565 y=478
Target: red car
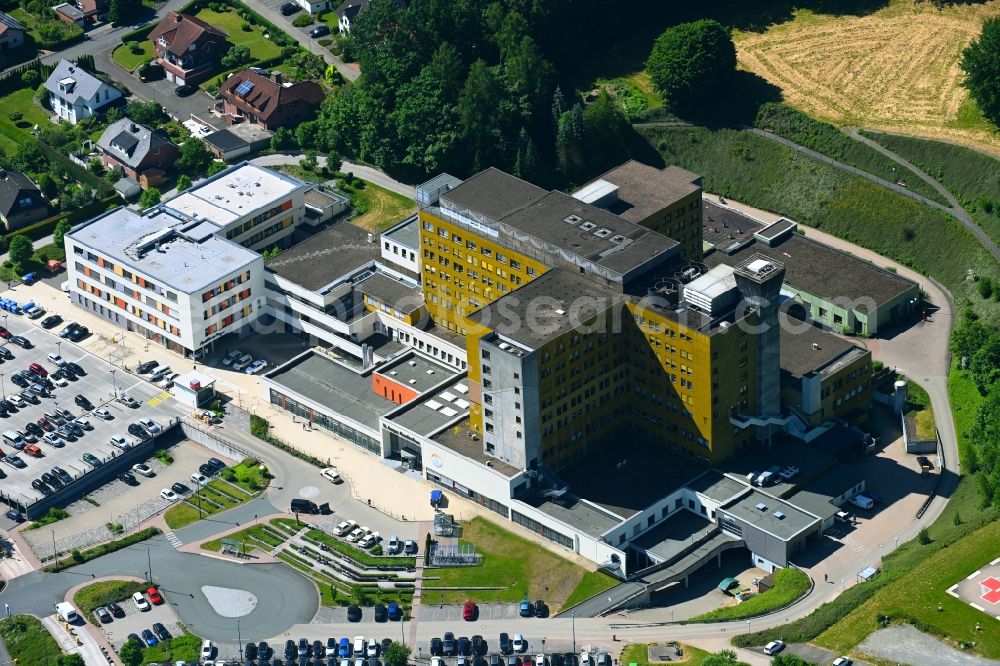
x=45 y=425
x=5 y=334
x=38 y=370
x=469 y=611
x=154 y=596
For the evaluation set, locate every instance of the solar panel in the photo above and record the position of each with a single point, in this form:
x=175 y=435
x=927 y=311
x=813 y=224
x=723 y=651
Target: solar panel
x=244 y=88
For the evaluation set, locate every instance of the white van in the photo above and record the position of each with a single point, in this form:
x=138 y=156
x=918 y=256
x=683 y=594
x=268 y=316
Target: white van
x=66 y=612
x=13 y=438
x=863 y=502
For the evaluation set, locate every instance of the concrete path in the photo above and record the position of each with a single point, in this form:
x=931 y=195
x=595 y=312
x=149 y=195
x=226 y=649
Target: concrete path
x=955 y=210
x=362 y=171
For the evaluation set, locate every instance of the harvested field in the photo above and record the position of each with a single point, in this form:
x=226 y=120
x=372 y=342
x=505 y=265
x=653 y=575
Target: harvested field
x=895 y=69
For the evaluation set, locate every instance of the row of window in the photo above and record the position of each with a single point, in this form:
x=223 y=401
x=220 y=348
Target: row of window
x=225 y=286
x=121 y=271
x=225 y=303
x=259 y=219
x=229 y=320
x=112 y=284
x=121 y=304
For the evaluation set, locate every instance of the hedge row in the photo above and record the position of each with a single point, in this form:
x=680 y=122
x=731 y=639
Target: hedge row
x=259 y=428
x=11 y=79
x=47 y=226
x=79 y=557
x=273 y=30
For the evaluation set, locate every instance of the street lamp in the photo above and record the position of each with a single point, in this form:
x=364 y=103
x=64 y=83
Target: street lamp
x=574 y=632
x=239 y=638
x=113 y=384
x=3 y=391
x=149 y=563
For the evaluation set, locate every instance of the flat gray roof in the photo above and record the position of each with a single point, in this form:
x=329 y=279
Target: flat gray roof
x=415 y=371
x=817 y=495
x=799 y=356
x=493 y=193
x=793 y=522
x=324 y=381
x=784 y=451
x=406 y=233
x=326 y=257
x=399 y=294
x=671 y=536
x=715 y=486
x=644 y=190
x=821 y=270
x=529 y=316
x=433 y=410
x=459 y=439
x=177 y=253
x=587 y=518
x=622 y=246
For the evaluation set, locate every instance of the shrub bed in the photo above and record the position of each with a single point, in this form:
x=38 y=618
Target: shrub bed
x=79 y=557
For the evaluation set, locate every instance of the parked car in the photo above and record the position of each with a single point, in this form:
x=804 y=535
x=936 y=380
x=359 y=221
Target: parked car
x=120 y=442
x=774 y=647
x=161 y=631
x=524 y=609
x=75 y=368
x=180 y=488
x=51 y=321
x=62 y=474
x=256 y=366
x=150 y=426
x=379 y=613
x=448 y=645
x=83 y=423
x=154 y=596
x=21 y=341
x=842 y=661
x=394 y=546
x=331 y=475
x=115 y=609
x=149 y=638
x=520 y=645
x=469 y=611
x=53 y=439
x=185 y=90
x=345 y=527
x=242 y=362
x=146 y=368
x=91 y=459
x=289 y=8
x=504 y=645
x=103 y=413
x=319 y=31
x=207 y=649
x=128 y=478
x=83 y=401
x=540 y=609
x=144 y=469
x=137 y=430
x=140 y=601
x=394 y=611
x=199 y=479
x=231 y=356
x=128 y=401
x=169 y=495
x=354 y=613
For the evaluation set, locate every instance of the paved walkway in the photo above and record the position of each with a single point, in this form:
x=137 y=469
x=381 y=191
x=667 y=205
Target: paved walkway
x=362 y=171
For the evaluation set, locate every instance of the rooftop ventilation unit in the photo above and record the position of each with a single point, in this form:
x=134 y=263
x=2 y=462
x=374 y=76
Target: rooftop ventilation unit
x=412 y=381
x=572 y=219
x=603 y=233
x=617 y=238
x=560 y=311
x=413 y=363
x=761 y=506
x=587 y=226
x=430 y=372
x=779 y=515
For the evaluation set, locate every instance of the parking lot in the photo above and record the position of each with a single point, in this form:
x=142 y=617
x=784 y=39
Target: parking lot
x=99 y=385
x=136 y=620
x=454 y=612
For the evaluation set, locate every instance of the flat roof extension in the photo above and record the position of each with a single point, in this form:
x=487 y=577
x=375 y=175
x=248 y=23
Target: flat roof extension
x=459 y=438
x=644 y=190
x=793 y=520
x=809 y=348
x=326 y=257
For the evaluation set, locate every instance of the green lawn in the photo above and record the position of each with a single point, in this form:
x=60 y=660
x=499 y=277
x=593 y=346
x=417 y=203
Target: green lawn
x=518 y=567
x=377 y=208
x=65 y=31
x=250 y=535
x=638 y=653
x=965 y=400
x=13 y=133
x=100 y=594
x=789 y=585
x=124 y=57
x=592 y=583
x=247 y=475
x=28 y=641
x=261 y=48
x=182 y=648
x=331 y=20
x=766 y=175
x=216 y=497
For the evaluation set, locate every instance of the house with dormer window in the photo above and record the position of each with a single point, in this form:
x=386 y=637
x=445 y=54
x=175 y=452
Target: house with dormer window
x=137 y=152
x=21 y=202
x=75 y=94
x=187 y=47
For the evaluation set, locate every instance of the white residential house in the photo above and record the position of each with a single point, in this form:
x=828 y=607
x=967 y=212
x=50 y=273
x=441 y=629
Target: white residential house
x=75 y=94
x=315 y=6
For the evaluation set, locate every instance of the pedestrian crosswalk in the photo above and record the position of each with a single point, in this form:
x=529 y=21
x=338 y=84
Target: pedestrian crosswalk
x=157 y=399
x=174 y=540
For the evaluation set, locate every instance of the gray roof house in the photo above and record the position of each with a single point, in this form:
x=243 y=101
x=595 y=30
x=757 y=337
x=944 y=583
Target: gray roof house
x=75 y=94
x=21 y=202
x=138 y=152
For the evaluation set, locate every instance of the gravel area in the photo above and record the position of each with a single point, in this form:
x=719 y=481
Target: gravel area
x=907 y=645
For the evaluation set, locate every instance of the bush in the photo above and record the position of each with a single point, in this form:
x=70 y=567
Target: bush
x=163 y=457
x=103 y=549
x=15 y=116
x=302 y=21
x=923 y=537
x=259 y=429
x=134 y=48
x=690 y=60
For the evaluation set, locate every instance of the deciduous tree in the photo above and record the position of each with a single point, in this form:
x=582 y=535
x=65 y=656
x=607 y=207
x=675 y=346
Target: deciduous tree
x=690 y=61
x=981 y=64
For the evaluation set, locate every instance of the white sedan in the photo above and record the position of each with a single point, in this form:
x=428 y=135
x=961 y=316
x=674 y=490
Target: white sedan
x=256 y=366
x=168 y=495
x=330 y=474
x=143 y=468
x=198 y=479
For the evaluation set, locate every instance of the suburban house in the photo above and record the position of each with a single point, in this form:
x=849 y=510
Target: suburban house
x=187 y=47
x=75 y=94
x=348 y=11
x=137 y=152
x=11 y=33
x=21 y=202
x=315 y=6
x=82 y=12
x=260 y=97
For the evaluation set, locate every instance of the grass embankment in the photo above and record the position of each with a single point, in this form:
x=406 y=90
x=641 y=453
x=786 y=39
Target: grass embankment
x=974 y=178
x=359 y=556
x=377 y=208
x=825 y=138
x=14 y=132
x=79 y=557
x=919 y=408
x=247 y=474
x=638 y=653
x=182 y=648
x=766 y=175
x=215 y=497
x=789 y=585
x=101 y=594
x=517 y=567
x=55 y=514
x=28 y=641
x=258 y=537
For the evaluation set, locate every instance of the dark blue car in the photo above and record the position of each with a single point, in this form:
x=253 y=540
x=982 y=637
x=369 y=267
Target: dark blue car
x=344 y=649
x=149 y=638
x=394 y=611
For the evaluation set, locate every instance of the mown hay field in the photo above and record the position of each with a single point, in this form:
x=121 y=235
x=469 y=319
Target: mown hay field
x=895 y=69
